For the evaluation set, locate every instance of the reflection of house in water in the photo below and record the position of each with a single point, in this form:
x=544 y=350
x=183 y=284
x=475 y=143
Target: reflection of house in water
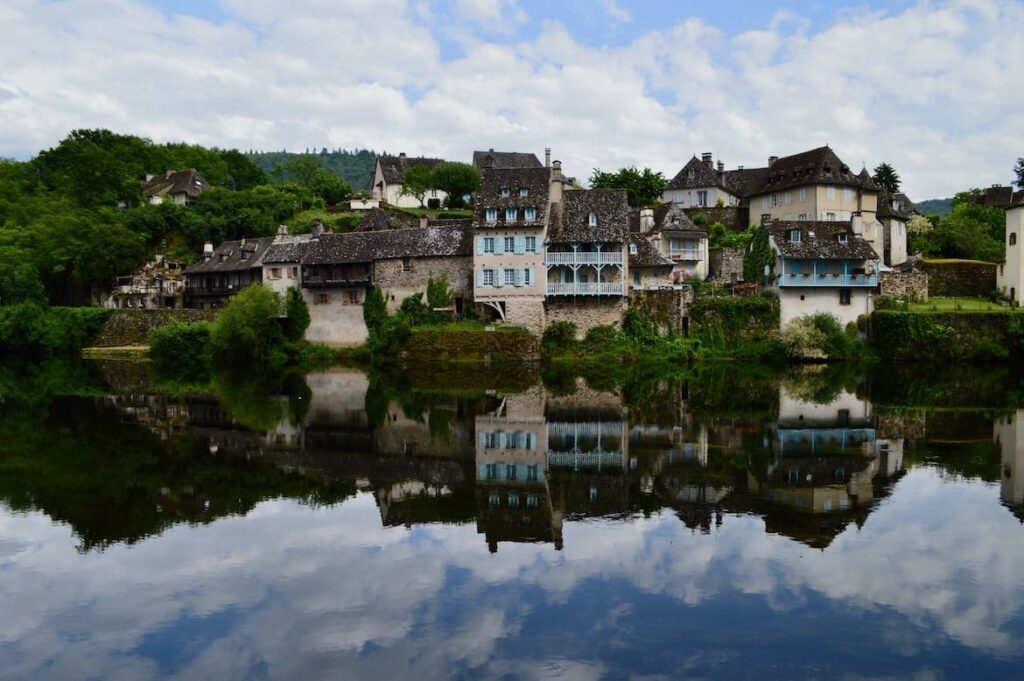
x=162 y=415
x=826 y=460
x=1008 y=432
x=337 y=418
x=513 y=498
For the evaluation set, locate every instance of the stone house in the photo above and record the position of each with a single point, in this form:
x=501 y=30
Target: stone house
x=700 y=185
x=1010 y=274
x=648 y=268
x=222 y=272
x=670 y=230
x=483 y=160
x=893 y=218
x=282 y=264
x=159 y=283
x=179 y=186
x=823 y=267
x=389 y=174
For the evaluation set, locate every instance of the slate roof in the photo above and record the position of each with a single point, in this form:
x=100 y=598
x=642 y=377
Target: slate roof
x=505 y=159
x=188 y=182
x=1018 y=199
x=744 y=181
x=394 y=167
x=668 y=217
x=886 y=209
x=817 y=166
x=997 y=197
x=419 y=242
x=228 y=256
x=570 y=223
x=820 y=240
x=696 y=174
x=291 y=250
x=378 y=220
x=646 y=254
x=537 y=181
x=906 y=205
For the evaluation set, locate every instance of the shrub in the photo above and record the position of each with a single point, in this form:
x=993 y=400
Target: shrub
x=433 y=204
x=375 y=310
x=32 y=329
x=179 y=350
x=392 y=336
x=559 y=335
x=247 y=336
x=638 y=326
x=819 y=337
x=297 y=312
x=438 y=293
x=602 y=336
x=413 y=310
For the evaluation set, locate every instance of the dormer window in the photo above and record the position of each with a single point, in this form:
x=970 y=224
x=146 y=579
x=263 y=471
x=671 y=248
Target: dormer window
x=632 y=249
x=794 y=236
x=510 y=215
x=690 y=175
x=592 y=219
x=505 y=192
x=524 y=191
x=530 y=214
x=843 y=237
x=491 y=215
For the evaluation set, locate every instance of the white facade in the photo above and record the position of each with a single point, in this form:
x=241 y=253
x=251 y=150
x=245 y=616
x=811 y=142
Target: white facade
x=282 y=276
x=702 y=197
x=1010 y=274
x=392 y=193
x=1008 y=433
x=798 y=302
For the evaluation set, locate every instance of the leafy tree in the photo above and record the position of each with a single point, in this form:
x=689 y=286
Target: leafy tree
x=19 y=283
x=971 y=231
x=417 y=181
x=242 y=172
x=112 y=250
x=298 y=315
x=759 y=260
x=375 y=310
x=643 y=188
x=1018 y=170
x=438 y=293
x=918 y=225
x=309 y=172
x=247 y=337
x=456 y=180
x=886 y=178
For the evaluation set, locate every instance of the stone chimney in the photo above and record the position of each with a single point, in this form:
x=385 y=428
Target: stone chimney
x=207 y=251
x=772 y=160
x=721 y=166
x=547 y=157
x=318 y=229
x=149 y=176
x=557 y=183
x=423 y=221
x=282 y=230
x=706 y=158
x=401 y=154
x=646 y=220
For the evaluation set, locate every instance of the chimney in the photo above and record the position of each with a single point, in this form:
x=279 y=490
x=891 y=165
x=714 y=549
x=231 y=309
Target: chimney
x=772 y=160
x=721 y=167
x=149 y=176
x=740 y=167
x=706 y=158
x=318 y=229
x=646 y=220
x=401 y=154
x=857 y=223
x=557 y=183
x=547 y=157
x=282 y=230
x=423 y=221
x=207 y=251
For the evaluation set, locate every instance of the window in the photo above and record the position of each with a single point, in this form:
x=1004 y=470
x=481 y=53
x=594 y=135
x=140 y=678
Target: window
x=510 y=277
x=702 y=198
x=293 y=272
x=802 y=216
x=275 y=272
x=844 y=296
x=513 y=500
x=492 y=215
x=843 y=237
x=794 y=236
x=494 y=500
x=831 y=193
x=510 y=244
x=510 y=214
x=531 y=244
x=353 y=296
x=527 y=277
x=847 y=194
x=523 y=191
x=1013 y=238
x=505 y=192
x=636 y=277
x=776 y=200
x=803 y=194
x=788 y=196
x=406 y=265
x=510 y=471
x=533 y=472
x=489 y=244
x=764 y=203
x=632 y=249
x=592 y=219
x=322 y=299
x=488 y=277
x=530 y=214
x=532 y=501
x=830 y=217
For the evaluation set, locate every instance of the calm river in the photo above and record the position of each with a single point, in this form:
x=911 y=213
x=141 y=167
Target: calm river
x=509 y=524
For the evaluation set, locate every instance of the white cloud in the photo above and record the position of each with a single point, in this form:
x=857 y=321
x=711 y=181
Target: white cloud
x=617 y=12
x=931 y=89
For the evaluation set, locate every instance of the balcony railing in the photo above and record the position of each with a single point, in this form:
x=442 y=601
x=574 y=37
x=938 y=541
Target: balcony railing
x=584 y=258
x=684 y=254
x=822 y=279
x=215 y=290
x=339 y=281
x=602 y=289
x=576 y=460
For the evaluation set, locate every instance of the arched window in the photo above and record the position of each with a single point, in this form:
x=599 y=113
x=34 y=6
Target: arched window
x=1013 y=238
x=592 y=219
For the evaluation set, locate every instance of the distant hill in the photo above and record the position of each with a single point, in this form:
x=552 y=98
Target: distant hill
x=355 y=167
x=941 y=206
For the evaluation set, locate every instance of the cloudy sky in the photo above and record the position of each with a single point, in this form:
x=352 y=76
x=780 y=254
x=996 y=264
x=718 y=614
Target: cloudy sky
x=933 y=87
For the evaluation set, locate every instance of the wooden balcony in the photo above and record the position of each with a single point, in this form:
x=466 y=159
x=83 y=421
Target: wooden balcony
x=584 y=258
x=586 y=289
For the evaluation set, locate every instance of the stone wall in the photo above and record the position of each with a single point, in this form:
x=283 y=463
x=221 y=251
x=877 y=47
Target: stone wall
x=666 y=308
x=909 y=285
x=735 y=218
x=441 y=344
x=526 y=312
x=726 y=264
x=399 y=284
x=133 y=327
x=586 y=312
x=960 y=278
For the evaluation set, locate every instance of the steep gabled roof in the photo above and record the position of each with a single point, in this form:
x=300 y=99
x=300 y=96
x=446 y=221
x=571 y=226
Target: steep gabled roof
x=419 y=242
x=817 y=166
x=188 y=182
x=887 y=209
x=233 y=256
x=537 y=182
x=571 y=224
x=997 y=197
x=695 y=175
x=668 y=217
x=646 y=254
x=394 y=167
x=744 y=181
x=820 y=240
x=505 y=159
x=906 y=205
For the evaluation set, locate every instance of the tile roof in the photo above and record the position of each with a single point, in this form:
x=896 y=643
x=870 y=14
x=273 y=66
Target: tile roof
x=379 y=219
x=537 y=182
x=646 y=254
x=228 y=257
x=817 y=166
x=288 y=249
x=188 y=182
x=571 y=223
x=820 y=240
x=394 y=167
x=696 y=174
x=668 y=217
x=419 y=242
x=886 y=209
x=997 y=197
x=505 y=159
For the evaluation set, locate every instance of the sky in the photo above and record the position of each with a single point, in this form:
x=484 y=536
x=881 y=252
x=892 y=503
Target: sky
x=932 y=87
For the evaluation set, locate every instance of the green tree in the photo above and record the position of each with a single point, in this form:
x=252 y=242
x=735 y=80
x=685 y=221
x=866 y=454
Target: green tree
x=886 y=178
x=759 y=260
x=242 y=172
x=1018 y=170
x=456 y=180
x=112 y=250
x=417 y=181
x=375 y=309
x=438 y=293
x=246 y=338
x=297 y=312
x=643 y=187
x=310 y=172
x=20 y=283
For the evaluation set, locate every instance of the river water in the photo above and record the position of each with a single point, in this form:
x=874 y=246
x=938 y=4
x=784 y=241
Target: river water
x=507 y=524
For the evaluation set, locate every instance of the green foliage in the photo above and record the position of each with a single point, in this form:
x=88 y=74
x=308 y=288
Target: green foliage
x=413 y=311
x=438 y=293
x=759 y=260
x=719 y=236
x=19 y=283
x=737 y=326
x=246 y=337
x=971 y=231
x=819 y=337
x=310 y=172
x=643 y=187
x=297 y=313
x=242 y=172
x=110 y=250
x=639 y=327
x=417 y=181
x=558 y=337
x=387 y=342
x=375 y=309
x=32 y=330
x=456 y=180
x=886 y=178
x=1018 y=171
x=179 y=351
x=355 y=167
x=602 y=336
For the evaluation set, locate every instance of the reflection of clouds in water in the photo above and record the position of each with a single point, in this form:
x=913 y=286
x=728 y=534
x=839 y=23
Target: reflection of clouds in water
x=331 y=589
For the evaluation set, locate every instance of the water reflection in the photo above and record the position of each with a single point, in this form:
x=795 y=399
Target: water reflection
x=808 y=526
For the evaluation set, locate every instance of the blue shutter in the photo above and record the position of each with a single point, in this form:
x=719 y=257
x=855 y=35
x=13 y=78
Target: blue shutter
x=520 y=245
x=499 y=278
x=519 y=277
x=480 y=278
x=499 y=245
x=480 y=245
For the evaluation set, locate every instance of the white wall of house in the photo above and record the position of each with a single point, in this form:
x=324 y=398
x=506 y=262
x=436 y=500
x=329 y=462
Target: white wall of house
x=1008 y=433
x=336 y=320
x=282 y=276
x=898 y=251
x=692 y=198
x=1010 y=275
x=796 y=302
x=392 y=193
x=505 y=260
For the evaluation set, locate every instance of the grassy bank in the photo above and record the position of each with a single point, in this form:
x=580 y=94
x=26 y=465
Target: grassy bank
x=959 y=335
